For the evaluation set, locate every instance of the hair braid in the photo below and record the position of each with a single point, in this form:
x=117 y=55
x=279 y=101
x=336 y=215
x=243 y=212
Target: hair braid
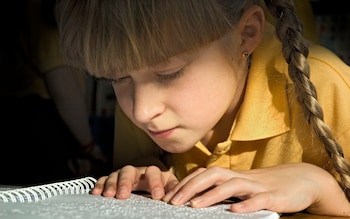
x=295 y=50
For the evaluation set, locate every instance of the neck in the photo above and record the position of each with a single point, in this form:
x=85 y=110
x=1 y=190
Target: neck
x=222 y=129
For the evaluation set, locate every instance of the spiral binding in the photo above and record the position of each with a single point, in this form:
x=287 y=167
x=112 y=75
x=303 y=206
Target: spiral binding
x=42 y=192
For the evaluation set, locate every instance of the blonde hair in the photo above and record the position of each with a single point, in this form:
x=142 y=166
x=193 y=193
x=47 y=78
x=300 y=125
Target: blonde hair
x=108 y=36
x=116 y=36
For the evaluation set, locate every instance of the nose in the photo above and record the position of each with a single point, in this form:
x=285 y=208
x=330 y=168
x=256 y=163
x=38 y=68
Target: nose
x=148 y=103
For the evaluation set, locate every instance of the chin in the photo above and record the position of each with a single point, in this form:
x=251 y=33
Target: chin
x=174 y=149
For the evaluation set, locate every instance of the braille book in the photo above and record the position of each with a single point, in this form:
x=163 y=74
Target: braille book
x=72 y=199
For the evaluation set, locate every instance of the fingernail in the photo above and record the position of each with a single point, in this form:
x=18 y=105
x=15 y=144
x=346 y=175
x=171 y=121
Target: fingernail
x=196 y=201
x=122 y=192
x=157 y=194
x=176 y=199
x=168 y=196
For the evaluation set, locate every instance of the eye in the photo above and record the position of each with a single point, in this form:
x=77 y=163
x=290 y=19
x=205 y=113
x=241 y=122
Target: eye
x=171 y=76
x=120 y=80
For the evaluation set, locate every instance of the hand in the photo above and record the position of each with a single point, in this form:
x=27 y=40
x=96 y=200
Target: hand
x=89 y=162
x=93 y=153
x=97 y=155
x=122 y=182
x=285 y=188
x=79 y=166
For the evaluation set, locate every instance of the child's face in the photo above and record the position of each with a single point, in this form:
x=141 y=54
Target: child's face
x=181 y=102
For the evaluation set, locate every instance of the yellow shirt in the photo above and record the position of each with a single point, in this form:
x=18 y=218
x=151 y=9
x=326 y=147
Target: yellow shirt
x=269 y=128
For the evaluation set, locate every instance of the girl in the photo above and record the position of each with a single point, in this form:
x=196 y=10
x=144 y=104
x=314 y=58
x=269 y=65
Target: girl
x=231 y=100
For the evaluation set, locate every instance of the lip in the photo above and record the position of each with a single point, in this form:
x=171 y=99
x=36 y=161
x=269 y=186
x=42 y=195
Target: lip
x=162 y=134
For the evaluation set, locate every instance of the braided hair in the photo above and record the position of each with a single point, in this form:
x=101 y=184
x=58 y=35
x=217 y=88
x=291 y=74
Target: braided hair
x=295 y=51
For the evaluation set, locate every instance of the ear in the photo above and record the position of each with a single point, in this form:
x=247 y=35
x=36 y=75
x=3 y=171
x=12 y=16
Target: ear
x=251 y=27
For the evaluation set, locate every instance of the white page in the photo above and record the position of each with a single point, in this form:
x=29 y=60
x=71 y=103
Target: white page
x=87 y=206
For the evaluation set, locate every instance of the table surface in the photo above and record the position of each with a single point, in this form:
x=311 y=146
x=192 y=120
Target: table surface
x=309 y=216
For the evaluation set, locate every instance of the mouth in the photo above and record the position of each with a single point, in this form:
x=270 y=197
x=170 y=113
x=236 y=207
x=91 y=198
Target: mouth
x=162 y=133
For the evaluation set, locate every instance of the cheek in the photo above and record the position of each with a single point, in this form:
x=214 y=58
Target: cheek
x=201 y=99
x=124 y=101
x=212 y=89
x=214 y=97
x=126 y=107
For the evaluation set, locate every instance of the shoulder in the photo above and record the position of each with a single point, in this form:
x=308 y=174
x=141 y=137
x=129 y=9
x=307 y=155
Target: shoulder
x=331 y=77
x=327 y=68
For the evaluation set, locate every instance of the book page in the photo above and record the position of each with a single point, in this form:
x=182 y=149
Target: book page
x=137 y=206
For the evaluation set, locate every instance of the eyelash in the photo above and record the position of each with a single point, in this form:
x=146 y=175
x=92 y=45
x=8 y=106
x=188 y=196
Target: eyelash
x=170 y=77
x=120 y=80
x=161 y=77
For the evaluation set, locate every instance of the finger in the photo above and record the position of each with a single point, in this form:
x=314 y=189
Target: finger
x=128 y=179
x=110 y=185
x=222 y=189
x=258 y=202
x=214 y=186
x=177 y=186
x=218 y=194
x=155 y=182
x=99 y=186
x=171 y=182
x=200 y=183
